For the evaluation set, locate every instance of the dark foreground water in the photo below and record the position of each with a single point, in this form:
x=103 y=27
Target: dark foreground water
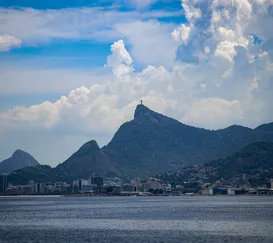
x=136 y=219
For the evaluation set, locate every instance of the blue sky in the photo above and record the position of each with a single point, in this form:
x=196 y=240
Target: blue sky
x=72 y=71
x=72 y=52
x=123 y=4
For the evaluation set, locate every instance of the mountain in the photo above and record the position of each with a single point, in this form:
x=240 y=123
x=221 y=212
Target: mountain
x=23 y=176
x=251 y=166
x=18 y=160
x=88 y=160
x=254 y=163
x=152 y=143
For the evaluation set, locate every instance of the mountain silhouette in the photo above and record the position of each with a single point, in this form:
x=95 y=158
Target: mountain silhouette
x=87 y=161
x=18 y=160
x=152 y=143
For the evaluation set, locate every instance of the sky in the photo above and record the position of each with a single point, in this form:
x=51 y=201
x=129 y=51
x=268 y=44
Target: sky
x=73 y=71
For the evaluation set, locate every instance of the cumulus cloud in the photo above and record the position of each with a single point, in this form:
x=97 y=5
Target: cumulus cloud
x=120 y=61
x=151 y=42
x=178 y=92
x=220 y=110
x=7 y=42
x=220 y=76
x=182 y=33
x=191 y=11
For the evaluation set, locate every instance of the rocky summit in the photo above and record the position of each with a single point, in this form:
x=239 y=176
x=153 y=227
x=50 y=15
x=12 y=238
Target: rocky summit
x=87 y=161
x=18 y=160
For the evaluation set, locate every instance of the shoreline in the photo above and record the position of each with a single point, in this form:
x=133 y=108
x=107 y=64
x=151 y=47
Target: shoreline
x=79 y=195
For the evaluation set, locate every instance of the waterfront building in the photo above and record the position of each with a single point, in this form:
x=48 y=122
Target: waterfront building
x=96 y=180
x=152 y=183
x=87 y=188
x=205 y=192
x=113 y=190
x=218 y=191
x=76 y=186
x=166 y=187
x=85 y=182
x=136 y=187
x=237 y=191
x=31 y=184
x=40 y=188
x=3 y=184
x=264 y=191
x=128 y=188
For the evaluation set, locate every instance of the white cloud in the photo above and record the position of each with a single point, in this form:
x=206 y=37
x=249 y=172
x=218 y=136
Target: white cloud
x=7 y=42
x=120 y=60
x=182 y=33
x=191 y=11
x=226 y=49
x=36 y=26
x=141 y=29
x=220 y=110
x=151 y=42
x=179 y=92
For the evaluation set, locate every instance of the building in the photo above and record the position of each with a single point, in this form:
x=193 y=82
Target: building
x=96 y=181
x=218 y=191
x=132 y=187
x=76 y=186
x=166 y=187
x=113 y=190
x=31 y=184
x=128 y=188
x=152 y=184
x=3 y=183
x=205 y=192
x=40 y=188
x=237 y=191
x=87 y=188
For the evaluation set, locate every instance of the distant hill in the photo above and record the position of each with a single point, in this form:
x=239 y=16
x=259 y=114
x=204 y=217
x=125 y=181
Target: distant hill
x=255 y=162
x=88 y=160
x=153 y=143
x=18 y=160
x=251 y=166
x=23 y=176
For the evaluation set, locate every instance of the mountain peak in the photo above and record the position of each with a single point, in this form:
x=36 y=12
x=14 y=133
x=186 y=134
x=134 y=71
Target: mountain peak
x=91 y=145
x=143 y=111
x=19 y=152
x=89 y=159
x=18 y=160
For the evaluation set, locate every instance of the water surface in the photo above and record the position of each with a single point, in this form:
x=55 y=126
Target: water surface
x=136 y=219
